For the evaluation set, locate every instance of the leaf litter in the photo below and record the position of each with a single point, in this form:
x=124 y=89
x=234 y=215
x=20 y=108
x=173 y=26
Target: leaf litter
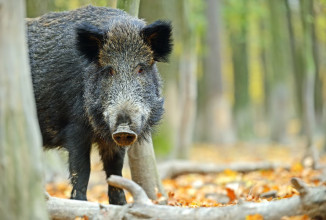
x=216 y=190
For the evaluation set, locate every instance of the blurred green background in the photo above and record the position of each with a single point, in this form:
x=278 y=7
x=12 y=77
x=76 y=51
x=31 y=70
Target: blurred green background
x=241 y=70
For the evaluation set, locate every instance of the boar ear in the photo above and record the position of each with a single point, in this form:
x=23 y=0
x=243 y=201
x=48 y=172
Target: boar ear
x=158 y=36
x=90 y=40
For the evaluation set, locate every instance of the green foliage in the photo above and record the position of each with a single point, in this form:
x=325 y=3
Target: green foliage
x=196 y=16
x=234 y=13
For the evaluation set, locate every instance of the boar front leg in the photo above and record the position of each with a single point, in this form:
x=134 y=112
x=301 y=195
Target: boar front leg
x=79 y=166
x=113 y=164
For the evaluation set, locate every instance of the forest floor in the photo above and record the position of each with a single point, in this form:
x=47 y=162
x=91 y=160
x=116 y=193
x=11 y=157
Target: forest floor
x=225 y=188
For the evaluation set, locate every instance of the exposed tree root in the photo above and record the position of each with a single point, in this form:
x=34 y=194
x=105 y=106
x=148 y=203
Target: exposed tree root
x=136 y=191
x=311 y=157
x=172 y=169
x=312 y=201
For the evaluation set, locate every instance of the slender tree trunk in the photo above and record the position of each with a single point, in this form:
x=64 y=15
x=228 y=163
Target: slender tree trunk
x=309 y=70
x=130 y=6
x=280 y=70
x=297 y=61
x=264 y=32
x=242 y=103
x=187 y=101
x=142 y=160
x=187 y=84
x=20 y=140
x=306 y=7
x=143 y=168
x=216 y=109
x=318 y=90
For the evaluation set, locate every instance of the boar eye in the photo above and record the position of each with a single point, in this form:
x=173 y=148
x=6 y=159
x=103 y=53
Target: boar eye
x=140 y=69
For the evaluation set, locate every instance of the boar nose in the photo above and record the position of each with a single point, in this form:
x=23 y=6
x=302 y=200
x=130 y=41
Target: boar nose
x=123 y=136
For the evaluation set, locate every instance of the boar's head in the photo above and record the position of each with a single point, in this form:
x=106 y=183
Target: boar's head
x=122 y=84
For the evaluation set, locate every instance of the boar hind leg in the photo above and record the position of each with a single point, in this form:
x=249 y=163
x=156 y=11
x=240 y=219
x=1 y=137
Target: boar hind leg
x=79 y=166
x=113 y=164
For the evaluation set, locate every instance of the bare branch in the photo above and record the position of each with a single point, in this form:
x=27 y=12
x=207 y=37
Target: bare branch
x=300 y=186
x=47 y=195
x=136 y=191
x=172 y=169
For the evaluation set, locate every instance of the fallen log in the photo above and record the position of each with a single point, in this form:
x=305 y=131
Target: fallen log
x=312 y=201
x=171 y=169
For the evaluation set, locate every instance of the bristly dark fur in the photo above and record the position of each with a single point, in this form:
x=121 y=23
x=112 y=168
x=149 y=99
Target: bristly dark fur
x=85 y=76
x=158 y=35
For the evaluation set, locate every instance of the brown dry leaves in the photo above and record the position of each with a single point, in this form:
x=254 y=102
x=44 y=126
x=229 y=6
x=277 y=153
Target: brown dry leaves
x=215 y=190
x=228 y=187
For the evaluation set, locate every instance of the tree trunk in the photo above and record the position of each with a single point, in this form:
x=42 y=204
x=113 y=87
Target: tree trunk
x=216 y=109
x=309 y=74
x=318 y=90
x=187 y=84
x=297 y=61
x=264 y=32
x=130 y=6
x=21 y=191
x=242 y=103
x=187 y=101
x=142 y=160
x=279 y=71
x=143 y=168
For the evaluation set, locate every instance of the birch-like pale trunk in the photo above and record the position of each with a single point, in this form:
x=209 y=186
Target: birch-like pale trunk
x=309 y=73
x=278 y=61
x=187 y=98
x=141 y=156
x=21 y=190
x=216 y=110
x=143 y=168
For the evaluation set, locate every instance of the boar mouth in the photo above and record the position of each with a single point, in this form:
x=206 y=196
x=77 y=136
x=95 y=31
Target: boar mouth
x=124 y=136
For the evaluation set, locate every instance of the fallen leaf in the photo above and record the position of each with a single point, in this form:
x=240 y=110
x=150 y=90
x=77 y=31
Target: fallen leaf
x=254 y=217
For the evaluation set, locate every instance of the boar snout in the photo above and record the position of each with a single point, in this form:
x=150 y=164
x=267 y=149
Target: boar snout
x=124 y=136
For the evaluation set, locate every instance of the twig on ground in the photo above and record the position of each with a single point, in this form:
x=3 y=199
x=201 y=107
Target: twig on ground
x=136 y=191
